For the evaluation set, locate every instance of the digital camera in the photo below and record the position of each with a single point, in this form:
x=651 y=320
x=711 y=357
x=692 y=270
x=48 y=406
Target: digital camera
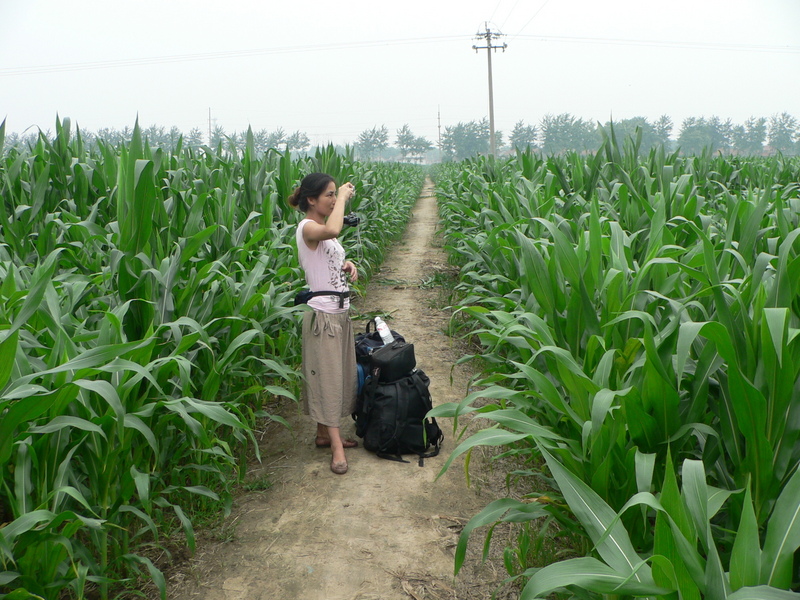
x=351 y=220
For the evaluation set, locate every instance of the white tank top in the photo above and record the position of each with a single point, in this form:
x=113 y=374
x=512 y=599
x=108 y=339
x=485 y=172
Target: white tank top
x=323 y=270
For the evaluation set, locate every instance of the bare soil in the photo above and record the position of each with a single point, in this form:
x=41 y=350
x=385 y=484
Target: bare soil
x=385 y=530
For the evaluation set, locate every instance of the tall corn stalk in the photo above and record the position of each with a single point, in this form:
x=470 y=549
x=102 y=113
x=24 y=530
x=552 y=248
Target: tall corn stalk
x=146 y=323
x=645 y=313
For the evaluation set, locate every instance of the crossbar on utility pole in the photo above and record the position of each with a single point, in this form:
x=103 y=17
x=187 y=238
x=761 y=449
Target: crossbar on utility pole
x=488 y=35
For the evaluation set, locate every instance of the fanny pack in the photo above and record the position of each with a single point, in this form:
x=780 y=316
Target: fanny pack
x=305 y=295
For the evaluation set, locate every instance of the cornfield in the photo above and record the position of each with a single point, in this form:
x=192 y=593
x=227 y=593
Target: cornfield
x=638 y=319
x=146 y=325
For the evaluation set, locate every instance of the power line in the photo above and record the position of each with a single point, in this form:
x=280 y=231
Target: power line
x=508 y=16
x=499 y=2
x=531 y=19
x=663 y=43
x=143 y=61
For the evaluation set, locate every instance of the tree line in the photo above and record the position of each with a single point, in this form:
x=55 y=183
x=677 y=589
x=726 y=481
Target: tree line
x=561 y=133
x=553 y=135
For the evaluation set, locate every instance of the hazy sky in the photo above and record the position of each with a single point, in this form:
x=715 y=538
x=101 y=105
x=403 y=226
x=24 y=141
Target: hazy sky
x=335 y=68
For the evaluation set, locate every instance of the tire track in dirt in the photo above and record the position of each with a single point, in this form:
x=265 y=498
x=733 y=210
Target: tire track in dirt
x=383 y=531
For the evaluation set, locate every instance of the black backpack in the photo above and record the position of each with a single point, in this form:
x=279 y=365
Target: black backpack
x=370 y=341
x=390 y=417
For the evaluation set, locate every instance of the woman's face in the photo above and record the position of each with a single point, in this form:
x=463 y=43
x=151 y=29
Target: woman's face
x=326 y=200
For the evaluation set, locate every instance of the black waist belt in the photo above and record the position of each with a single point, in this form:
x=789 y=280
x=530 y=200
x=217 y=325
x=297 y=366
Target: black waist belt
x=306 y=295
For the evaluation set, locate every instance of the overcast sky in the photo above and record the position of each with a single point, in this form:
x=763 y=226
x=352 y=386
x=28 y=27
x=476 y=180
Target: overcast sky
x=335 y=68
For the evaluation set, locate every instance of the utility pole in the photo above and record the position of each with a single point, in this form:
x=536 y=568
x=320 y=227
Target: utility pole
x=488 y=35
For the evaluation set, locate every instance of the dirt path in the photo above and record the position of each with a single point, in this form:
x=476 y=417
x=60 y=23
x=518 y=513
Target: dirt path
x=383 y=531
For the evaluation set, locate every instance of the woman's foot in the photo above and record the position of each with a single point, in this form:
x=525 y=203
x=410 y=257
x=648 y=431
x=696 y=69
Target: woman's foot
x=339 y=467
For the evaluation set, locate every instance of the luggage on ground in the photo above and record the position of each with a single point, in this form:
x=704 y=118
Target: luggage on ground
x=371 y=340
x=393 y=401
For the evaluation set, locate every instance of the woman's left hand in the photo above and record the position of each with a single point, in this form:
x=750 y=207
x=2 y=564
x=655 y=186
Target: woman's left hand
x=346 y=191
x=350 y=269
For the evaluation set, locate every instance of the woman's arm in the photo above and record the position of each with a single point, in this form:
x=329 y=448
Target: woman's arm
x=314 y=232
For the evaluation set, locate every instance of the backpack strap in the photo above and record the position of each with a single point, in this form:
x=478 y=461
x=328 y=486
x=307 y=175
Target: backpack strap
x=425 y=392
x=400 y=418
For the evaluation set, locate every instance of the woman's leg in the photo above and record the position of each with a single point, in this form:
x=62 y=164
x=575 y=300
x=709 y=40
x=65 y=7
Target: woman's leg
x=338 y=459
x=337 y=448
x=323 y=437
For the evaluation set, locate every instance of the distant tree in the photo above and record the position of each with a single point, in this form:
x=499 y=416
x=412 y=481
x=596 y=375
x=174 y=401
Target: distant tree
x=405 y=141
x=297 y=141
x=89 y=138
x=693 y=136
x=113 y=136
x=523 y=136
x=663 y=129
x=174 y=135
x=420 y=146
x=410 y=145
x=156 y=136
x=373 y=141
x=721 y=133
x=564 y=132
x=11 y=140
x=631 y=128
x=749 y=137
x=276 y=139
x=701 y=134
x=261 y=140
x=782 y=133
x=194 y=139
x=217 y=136
x=467 y=139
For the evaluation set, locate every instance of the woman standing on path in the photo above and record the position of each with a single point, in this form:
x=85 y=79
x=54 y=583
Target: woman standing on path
x=329 y=360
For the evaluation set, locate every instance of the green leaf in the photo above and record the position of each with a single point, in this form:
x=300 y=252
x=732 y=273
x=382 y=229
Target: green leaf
x=776 y=320
x=8 y=352
x=783 y=536
x=65 y=422
x=156 y=575
x=485 y=437
x=589 y=574
x=493 y=512
x=745 y=566
x=516 y=420
x=597 y=518
x=763 y=592
x=22 y=411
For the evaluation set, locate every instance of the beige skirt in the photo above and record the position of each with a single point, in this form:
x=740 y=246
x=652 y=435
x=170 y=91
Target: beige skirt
x=330 y=379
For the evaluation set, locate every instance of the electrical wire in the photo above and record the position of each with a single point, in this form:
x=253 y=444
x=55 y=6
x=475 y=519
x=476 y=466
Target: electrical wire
x=663 y=43
x=529 y=20
x=144 y=61
x=499 y=2
x=508 y=16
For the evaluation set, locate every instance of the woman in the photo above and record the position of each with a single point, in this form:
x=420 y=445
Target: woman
x=329 y=361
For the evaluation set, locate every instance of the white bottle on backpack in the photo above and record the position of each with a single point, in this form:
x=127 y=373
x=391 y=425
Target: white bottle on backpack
x=383 y=330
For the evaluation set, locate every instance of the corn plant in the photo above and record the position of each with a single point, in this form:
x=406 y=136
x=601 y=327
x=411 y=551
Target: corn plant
x=146 y=317
x=645 y=313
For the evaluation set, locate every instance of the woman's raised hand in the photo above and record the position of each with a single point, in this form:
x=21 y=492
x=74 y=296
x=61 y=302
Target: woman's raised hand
x=346 y=191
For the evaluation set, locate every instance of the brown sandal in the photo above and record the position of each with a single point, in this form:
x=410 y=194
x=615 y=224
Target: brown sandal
x=323 y=443
x=340 y=468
